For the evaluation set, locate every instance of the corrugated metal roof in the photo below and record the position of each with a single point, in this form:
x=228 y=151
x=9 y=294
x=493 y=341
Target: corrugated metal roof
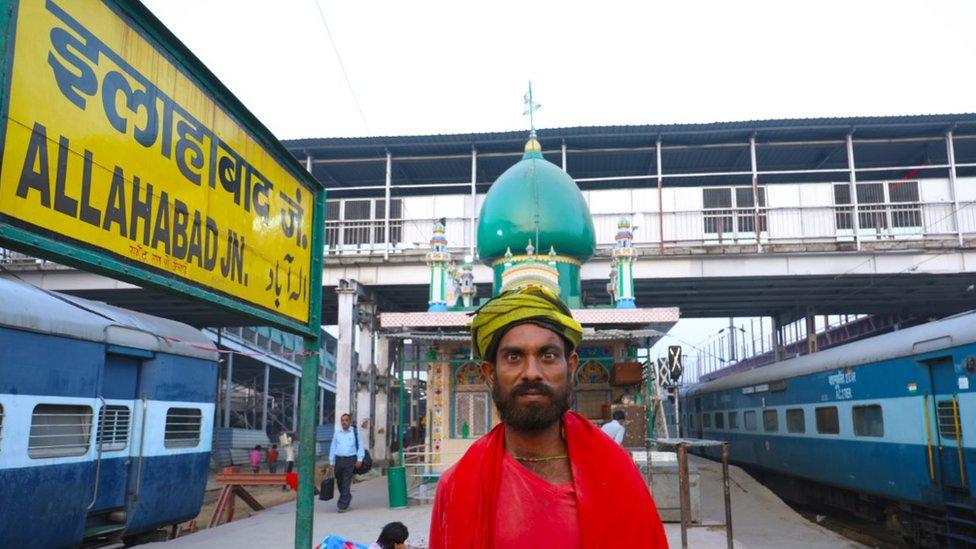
x=627 y=151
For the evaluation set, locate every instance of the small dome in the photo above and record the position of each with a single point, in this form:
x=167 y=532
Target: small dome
x=535 y=200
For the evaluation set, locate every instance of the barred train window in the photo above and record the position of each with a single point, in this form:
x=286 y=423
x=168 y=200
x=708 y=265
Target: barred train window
x=720 y=420
x=827 y=422
x=182 y=428
x=946 y=414
x=113 y=428
x=749 y=418
x=733 y=420
x=707 y=421
x=795 y=422
x=868 y=421
x=770 y=421
x=59 y=430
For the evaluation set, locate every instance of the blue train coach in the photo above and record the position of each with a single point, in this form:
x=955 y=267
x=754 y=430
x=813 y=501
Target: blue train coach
x=106 y=419
x=884 y=427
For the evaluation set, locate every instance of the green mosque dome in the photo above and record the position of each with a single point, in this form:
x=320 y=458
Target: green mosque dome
x=535 y=200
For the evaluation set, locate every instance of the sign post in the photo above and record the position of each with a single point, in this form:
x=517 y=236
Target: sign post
x=674 y=369
x=122 y=154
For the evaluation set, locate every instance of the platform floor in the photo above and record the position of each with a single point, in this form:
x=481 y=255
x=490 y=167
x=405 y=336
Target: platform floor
x=759 y=519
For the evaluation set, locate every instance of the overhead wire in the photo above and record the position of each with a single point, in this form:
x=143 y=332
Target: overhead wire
x=342 y=66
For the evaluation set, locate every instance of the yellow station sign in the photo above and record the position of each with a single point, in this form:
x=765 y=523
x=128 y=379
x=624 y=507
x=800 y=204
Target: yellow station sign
x=112 y=147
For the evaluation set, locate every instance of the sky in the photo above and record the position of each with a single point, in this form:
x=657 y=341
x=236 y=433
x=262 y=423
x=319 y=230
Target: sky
x=448 y=67
x=414 y=68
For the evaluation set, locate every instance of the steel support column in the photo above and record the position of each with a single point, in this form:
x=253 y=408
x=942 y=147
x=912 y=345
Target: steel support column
x=386 y=210
x=474 y=202
x=660 y=197
x=811 y=331
x=755 y=193
x=228 y=385
x=951 y=152
x=855 y=215
x=294 y=403
x=731 y=340
x=777 y=339
x=264 y=398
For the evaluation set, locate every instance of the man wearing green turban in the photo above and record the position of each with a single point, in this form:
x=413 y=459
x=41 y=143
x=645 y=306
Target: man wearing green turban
x=545 y=476
x=533 y=304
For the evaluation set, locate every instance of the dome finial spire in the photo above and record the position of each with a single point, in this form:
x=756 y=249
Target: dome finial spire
x=530 y=107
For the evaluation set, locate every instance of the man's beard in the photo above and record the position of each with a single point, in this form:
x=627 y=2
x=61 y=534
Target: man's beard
x=531 y=416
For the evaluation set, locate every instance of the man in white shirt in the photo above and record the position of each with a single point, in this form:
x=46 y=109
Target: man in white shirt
x=614 y=429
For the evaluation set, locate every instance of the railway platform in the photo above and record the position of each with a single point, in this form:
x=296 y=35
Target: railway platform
x=759 y=519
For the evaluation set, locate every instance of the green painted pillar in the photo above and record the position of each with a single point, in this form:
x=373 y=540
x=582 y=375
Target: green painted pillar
x=307 y=416
x=309 y=388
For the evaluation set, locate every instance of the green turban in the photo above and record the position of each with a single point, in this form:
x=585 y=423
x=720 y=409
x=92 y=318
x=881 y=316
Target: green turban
x=531 y=304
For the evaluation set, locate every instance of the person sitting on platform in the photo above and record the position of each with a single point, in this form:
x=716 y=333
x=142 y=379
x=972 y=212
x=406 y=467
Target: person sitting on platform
x=545 y=474
x=614 y=429
x=393 y=536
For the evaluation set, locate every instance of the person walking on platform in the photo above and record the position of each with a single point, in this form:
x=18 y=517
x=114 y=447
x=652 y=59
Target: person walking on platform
x=614 y=429
x=345 y=456
x=545 y=476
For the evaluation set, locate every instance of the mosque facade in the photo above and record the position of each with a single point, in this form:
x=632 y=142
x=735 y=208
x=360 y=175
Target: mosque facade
x=534 y=229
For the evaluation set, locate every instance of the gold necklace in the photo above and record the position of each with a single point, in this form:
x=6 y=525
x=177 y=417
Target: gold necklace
x=540 y=459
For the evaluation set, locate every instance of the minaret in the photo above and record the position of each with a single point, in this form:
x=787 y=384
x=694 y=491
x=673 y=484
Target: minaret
x=623 y=256
x=467 y=284
x=437 y=260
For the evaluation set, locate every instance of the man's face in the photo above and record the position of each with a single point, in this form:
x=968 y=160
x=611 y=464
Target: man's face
x=530 y=379
x=345 y=421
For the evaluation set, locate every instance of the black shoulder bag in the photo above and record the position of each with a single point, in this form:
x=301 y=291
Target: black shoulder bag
x=367 y=459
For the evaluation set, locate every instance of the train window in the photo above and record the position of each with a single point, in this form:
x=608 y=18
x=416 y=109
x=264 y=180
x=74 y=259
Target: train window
x=59 y=430
x=827 y=422
x=707 y=421
x=946 y=414
x=113 y=428
x=1 y=425
x=868 y=421
x=770 y=421
x=733 y=420
x=795 y=422
x=182 y=428
x=720 y=420
x=749 y=419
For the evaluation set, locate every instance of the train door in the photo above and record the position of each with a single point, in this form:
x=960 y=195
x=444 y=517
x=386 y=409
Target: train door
x=113 y=443
x=946 y=424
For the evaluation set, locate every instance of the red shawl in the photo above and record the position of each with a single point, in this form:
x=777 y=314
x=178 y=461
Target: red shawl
x=614 y=505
